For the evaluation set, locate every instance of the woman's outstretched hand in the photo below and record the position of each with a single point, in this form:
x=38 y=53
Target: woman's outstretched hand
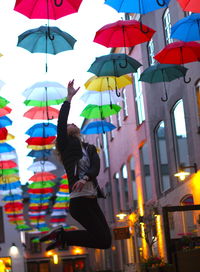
x=71 y=90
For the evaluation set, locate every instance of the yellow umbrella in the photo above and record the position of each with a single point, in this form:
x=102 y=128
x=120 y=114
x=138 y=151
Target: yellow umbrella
x=9 y=137
x=9 y=179
x=40 y=147
x=105 y=83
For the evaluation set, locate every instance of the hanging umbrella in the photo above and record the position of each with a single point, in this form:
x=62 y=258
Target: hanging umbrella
x=100 y=98
x=40 y=153
x=5 y=121
x=41 y=166
x=7 y=155
x=97 y=127
x=41 y=184
x=114 y=65
x=43 y=176
x=9 y=179
x=40 y=140
x=123 y=34
x=7 y=164
x=46 y=9
x=38 y=103
x=4 y=111
x=101 y=84
x=179 y=53
x=41 y=113
x=3 y=102
x=190 y=5
x=41 y=147
x=41 y=130
x=11 y=171
x=4 y=147
x=163 y=73
x=137 y=6
x=94 y=111
x=187 y=29
x=3 y=133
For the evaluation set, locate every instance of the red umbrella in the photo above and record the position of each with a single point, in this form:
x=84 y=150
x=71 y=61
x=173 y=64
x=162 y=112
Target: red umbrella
x=123 y=34
x=40 y=140
x=42 y=176
x=46 y=9
x=7 y=164
x=3 y=133
x=190 y=5
x=179 y=53
x=5 y=110
x=42 y=113
x=40 y=191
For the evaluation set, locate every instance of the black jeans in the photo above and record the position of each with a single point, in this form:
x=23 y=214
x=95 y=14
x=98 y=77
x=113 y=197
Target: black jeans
x=88 y=213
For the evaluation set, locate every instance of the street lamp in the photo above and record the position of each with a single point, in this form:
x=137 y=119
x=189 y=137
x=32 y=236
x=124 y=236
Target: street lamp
x=123 y=214
x=182 y=174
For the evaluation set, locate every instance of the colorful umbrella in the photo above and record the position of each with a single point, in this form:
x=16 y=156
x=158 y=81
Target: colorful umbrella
x=97 y=127
x=100 y=98
x=190 y=5
x=7 y=155
x=137 y=6
x=47 y=103
x=40 y=140
x=187 y=29
x=4 y=147
x=41 y=113
x=123 y=34
x=41 y=130
x=41 y=147
x=163 y=73
x=179 y=53
x=42 y=166
x=41 y=184
x=45 y=153
x=43 y=176
x=3 y=133
x=8 y=137
x=8 y=171
x=5 y=121
x=7 y=164
x=4 y=111
x=45 y=9
x=94 y=111
x=114 y=65
x=3 y=102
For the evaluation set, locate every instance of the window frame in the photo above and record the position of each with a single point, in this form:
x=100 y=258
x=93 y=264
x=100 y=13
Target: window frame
x=166 y=21
x=138 y=97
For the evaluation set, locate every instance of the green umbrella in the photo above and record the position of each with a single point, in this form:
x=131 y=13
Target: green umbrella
x=41 y=184
x=95 y=111
x=114 y=65
x=3 y=102
x=163 y=73
x=8 y=171
x=44 y=103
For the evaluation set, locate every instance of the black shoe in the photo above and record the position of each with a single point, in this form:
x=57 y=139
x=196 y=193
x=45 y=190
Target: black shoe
x=53 y=235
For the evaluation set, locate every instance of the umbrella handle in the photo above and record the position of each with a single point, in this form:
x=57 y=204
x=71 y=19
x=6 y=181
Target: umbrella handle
x=161 y=4
x=58 y=4
x=187 y=81
x=166 y=97
x=124 y=66
x=141 y=26
x=51 y=37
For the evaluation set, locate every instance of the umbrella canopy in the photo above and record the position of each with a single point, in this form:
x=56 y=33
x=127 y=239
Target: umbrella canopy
x=4 y=147
x=41 y=184
x=100 y=98
x=40 y=140
x=5 y=121
x=7 y=164
x=42 y=166
x=4 y=111
x=44 y=9
x=179 y=53
x=137 y=6
x=7 y=155
x=187 y=29
x=41 y=113
x=47 y=103
x=3 y=102
x=163 y=73
x=97 y=127
x=8 y=171
x=190 y=5
x=42 y=130
x=123 y=34
x=94 y=111
x=43 y=176
x=3 y=133
x=114 y=65
x=101 y=84
x=45 y=39
x=40 y=153
x=41 y=147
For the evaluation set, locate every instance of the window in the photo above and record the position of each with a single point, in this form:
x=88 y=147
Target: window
x=117 y=189
x=197 y=87
x=180 y=134
x=133 y=182
x=105 y=151
x=35 y=247
x=119 y=120
x=144 y=155
x=125 y=186
x=151 y=52
x=139 y=97
x=2 y=238
x=162 y=159
x=124 y=102
x=167 y=26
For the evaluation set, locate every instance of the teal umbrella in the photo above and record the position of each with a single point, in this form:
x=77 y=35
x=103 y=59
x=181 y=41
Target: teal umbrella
x=163 y=73
x=114 y=65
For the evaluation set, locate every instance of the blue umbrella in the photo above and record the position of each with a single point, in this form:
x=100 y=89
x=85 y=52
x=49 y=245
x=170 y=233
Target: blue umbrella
x=12 y=197
x=187 y=29
x=5 y=121
x=97 y=127
x=137 y=6
x=42 y=130
x=4 y=147
x=40 y=153
x=10 y=186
